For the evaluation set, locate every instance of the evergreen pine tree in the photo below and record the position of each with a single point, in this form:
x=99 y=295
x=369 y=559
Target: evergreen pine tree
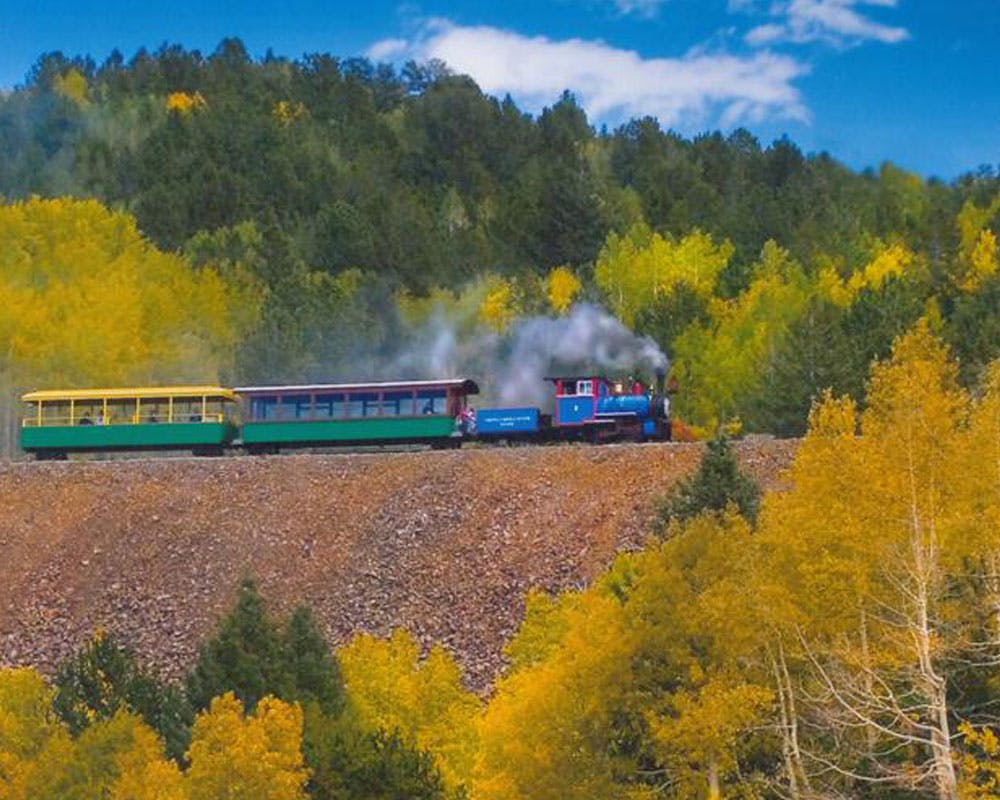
x=252 y=656
x=104 y=678
x=313 y=671
x=244 y=656
x=717 y=483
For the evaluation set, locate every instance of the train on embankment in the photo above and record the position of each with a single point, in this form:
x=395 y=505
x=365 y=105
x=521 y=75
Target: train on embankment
x=213 y=420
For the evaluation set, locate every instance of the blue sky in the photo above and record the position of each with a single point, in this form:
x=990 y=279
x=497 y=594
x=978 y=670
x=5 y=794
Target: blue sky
x=916 y=82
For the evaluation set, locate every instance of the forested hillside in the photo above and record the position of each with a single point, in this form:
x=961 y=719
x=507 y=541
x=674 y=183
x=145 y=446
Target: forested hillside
x=343 y=208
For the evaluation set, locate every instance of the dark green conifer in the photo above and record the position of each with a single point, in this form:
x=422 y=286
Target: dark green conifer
x=347 y=762
x=717 y=483
x=310 y=666
x=104 y=678
x=244 y=656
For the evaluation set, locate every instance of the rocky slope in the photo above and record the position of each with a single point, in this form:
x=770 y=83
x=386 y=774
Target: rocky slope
x=443 y=543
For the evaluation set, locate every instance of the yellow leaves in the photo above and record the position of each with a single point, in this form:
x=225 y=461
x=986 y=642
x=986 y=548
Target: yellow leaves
x=121 y=758
x=658 y=642
x=89 y=301
x=702 y=730
x=892 y=261
x=869 y=512
x=113 y=758
x=635 y=269
x=561 y=287
x=543 y=626
x=978 y=763
x=390 y=687
x=73 y=86
x=234 y=757
x=286 y=112
x=977 y=244
x=971 y=221
x=889 y=261
x=983 y=261
x=500 y=307
x=183 y=103
x=144 y=772
x=723 y=362
x=26 y=725
x=833 y=417
x=915 y=393
x=830 y=286
x=546 y=731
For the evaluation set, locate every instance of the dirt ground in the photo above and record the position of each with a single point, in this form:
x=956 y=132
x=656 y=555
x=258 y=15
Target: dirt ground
x=445 y=544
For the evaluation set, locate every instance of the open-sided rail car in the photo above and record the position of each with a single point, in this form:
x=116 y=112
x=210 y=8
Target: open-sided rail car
x=194 y=418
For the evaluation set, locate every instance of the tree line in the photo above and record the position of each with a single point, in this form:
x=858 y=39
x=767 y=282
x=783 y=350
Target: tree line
x=266 y=712
x=341 y=205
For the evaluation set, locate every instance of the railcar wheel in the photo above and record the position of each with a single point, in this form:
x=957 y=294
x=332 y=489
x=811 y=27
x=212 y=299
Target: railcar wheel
x=209 y=451
x=50 y=455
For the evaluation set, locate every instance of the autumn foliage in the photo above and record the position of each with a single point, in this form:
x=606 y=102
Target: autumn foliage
x=87 y=301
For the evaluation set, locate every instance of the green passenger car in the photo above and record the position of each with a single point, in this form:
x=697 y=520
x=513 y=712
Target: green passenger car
x=195 y=418
x=317 y=415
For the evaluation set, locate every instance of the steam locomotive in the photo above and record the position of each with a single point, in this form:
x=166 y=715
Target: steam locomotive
x=209 y=420
x=591 y=408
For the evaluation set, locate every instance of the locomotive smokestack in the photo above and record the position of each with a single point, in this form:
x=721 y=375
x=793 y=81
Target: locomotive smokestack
x=661 y=381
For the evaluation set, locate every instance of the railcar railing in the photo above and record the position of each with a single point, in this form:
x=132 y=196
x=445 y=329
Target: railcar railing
x=124 y=419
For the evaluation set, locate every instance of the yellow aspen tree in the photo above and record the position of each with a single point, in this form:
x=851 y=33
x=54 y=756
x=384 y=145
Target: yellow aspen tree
x=977 y=244
x=287 y=112
x=112 y=758
x=546 y=732
x=184 y=103
x=89 y=301
x=979 y=763
x=888 y=262
x=864 y=546
x=971 y=221
x=235 y=756
x=636 y=269
x=982 y=261
x=710 y=692
x=144 y=771
x=981 y=486
x=721 y=363
x=72 y=85
x=499 y=307
x=561 y=287
x=390 y=686
x=27 y=724
x=662 y=643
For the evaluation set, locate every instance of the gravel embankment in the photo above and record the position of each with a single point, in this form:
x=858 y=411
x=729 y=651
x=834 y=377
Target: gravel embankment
x=443 y=543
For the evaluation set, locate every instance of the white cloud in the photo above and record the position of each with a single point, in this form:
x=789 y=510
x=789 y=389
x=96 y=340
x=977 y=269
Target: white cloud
x=835 y=21
x=644 y=8
x=765 y=34
x=692 y=91
x=387 y=49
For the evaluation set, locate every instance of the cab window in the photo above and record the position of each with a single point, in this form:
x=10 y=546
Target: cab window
x=329 y=406
x=398 y=404
x=294 y=406
x=432 y=401
x=263 y=408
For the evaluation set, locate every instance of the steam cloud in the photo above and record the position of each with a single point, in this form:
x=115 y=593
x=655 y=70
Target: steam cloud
x=512 y=367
